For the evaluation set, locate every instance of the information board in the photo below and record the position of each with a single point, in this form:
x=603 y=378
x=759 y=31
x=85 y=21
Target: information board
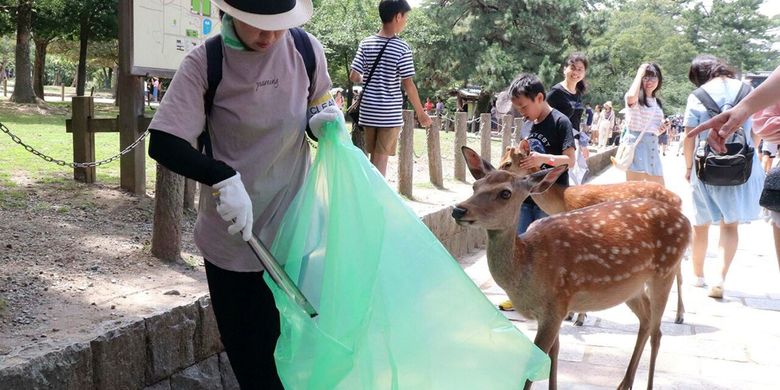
x=164 y=31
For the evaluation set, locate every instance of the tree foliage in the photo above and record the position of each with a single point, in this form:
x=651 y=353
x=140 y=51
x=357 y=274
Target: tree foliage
x=733 y=30
x=489 y=42
x=340 y=25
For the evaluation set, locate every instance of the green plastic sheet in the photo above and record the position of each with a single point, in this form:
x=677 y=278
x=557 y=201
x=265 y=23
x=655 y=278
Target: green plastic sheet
x=395 y=309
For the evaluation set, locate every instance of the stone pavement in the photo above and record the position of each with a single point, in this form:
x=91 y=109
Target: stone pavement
x=723 y=344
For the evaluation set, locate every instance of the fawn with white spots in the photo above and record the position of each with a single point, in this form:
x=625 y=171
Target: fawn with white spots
x=558 y=199
x=557 y=266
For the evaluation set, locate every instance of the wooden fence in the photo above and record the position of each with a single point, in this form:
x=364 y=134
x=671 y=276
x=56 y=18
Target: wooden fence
x=506 y=127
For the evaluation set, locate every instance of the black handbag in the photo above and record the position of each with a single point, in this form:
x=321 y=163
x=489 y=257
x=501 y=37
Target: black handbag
x=770 y=196
x=354 y=110
x=733 y=167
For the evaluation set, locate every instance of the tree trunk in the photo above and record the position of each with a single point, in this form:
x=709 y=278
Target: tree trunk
x=168 y=210
x=81 y=74
x=40 y=65
x=23 y=90
x=115 y=85
x=189 y=194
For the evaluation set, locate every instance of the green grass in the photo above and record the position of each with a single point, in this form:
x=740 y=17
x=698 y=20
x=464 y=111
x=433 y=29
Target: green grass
x=46 y=133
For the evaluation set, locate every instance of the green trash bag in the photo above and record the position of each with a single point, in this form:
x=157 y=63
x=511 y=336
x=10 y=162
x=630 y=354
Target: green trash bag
x=395 y=309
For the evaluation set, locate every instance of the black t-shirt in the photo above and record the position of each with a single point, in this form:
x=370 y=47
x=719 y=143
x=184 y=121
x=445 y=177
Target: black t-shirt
x=570 y=104
x=552 y=135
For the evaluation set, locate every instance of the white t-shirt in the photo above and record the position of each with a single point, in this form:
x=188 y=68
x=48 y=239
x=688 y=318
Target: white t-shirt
x=257 y=124
x=381 y=104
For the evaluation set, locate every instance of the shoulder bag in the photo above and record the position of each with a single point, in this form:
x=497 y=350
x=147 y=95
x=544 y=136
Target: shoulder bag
x=624 y=156
x=357 y=135
x=770 y=196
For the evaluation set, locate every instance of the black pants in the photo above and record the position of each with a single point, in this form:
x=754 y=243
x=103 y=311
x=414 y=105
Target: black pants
x=248 y=323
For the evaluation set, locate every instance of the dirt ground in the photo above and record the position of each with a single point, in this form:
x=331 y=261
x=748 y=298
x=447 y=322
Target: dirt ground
x=76 y=258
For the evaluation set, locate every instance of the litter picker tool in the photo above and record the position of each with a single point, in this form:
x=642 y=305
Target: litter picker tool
x=277 y=274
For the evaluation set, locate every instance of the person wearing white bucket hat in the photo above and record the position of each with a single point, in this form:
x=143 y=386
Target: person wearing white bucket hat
x=254 y=88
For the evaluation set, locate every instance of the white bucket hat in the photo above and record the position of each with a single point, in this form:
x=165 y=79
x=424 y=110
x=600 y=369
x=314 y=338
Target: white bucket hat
x=269 y=15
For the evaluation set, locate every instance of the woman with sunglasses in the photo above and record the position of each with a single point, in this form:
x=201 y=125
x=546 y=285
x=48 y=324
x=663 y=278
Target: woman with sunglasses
x=645 y=113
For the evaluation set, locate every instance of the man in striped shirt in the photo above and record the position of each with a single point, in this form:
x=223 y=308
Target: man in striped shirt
x=382 y=102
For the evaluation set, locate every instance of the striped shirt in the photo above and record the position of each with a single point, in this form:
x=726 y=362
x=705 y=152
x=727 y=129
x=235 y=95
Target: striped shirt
x=641 y=118
x=381 y=104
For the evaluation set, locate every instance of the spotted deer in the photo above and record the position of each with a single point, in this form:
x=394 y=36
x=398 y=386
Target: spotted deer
x=629 y=253
x=559 y=199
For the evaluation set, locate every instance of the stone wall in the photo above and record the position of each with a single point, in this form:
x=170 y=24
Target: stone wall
x=458 y=240
x=175 y=350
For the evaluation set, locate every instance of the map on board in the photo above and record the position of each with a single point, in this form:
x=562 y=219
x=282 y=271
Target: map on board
x=165 y=30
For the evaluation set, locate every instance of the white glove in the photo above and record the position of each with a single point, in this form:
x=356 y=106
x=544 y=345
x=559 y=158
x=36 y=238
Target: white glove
x=329 y=114
x=234 y=205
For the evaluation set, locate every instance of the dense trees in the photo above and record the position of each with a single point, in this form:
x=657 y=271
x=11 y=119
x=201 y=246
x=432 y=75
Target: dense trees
x=456 y=42
x=488 y=42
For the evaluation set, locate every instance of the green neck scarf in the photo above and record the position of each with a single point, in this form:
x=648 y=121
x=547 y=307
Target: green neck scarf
x=229 y=35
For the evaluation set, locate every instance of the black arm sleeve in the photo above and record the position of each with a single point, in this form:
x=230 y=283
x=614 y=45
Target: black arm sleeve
x=179 y=156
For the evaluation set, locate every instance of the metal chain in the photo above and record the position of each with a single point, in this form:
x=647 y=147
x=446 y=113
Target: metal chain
x=62 y=163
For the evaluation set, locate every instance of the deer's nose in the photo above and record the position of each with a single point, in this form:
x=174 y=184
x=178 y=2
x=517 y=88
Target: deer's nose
x=458 y=212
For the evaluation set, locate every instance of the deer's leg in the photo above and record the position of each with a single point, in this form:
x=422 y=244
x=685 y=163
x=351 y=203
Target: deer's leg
x=554 y=363
x=580 y=319
x=680 y=317
x=658 y=290
x=547 y=340
x=640 y=305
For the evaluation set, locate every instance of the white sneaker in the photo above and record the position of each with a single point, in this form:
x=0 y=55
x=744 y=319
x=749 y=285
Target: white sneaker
x=716 y=291
x=699 y=282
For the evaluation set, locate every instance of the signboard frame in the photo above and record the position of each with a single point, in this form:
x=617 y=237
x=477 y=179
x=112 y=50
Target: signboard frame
x=164 y=72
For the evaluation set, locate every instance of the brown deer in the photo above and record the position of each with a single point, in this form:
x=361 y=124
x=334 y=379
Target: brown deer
x=559 y=199
x=629 y=253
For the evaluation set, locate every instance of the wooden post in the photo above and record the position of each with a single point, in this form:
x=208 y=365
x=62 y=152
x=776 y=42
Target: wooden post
x=434 y=154
x=62 y=92
x=506 y=132
x=461 y=123
x=518 y=133
x=131 y=106
x=5 y=86
x=168 y=210
x=484 y=133
x=406 y=155
x=189 y=194
x=83 y=109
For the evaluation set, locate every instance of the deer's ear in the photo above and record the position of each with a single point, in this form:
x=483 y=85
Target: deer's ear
x=542 y=181
x=477 y=166
x=524 y=147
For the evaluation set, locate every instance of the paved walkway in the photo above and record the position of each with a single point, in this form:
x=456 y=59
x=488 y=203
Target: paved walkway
x=723 y=344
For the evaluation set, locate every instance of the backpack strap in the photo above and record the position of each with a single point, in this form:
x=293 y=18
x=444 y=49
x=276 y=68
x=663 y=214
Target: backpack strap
x=713 y=107
x=705 y=99
x=304 y=47
x=213 y=78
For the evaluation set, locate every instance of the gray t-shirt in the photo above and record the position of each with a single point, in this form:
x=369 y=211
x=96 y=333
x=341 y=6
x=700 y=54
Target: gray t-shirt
x=257 y=124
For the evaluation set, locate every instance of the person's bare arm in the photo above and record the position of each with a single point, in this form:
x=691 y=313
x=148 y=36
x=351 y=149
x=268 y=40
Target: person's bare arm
x=355 y=77
x=632 y=96
x=726 y=123
x=689 y=144
x=535 y=159
x=414 y=98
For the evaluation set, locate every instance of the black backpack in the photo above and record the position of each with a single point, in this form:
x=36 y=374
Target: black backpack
x=733 y=167
x=214 y=77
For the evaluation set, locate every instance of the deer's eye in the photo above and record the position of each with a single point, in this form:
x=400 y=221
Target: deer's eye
x=505 y=194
